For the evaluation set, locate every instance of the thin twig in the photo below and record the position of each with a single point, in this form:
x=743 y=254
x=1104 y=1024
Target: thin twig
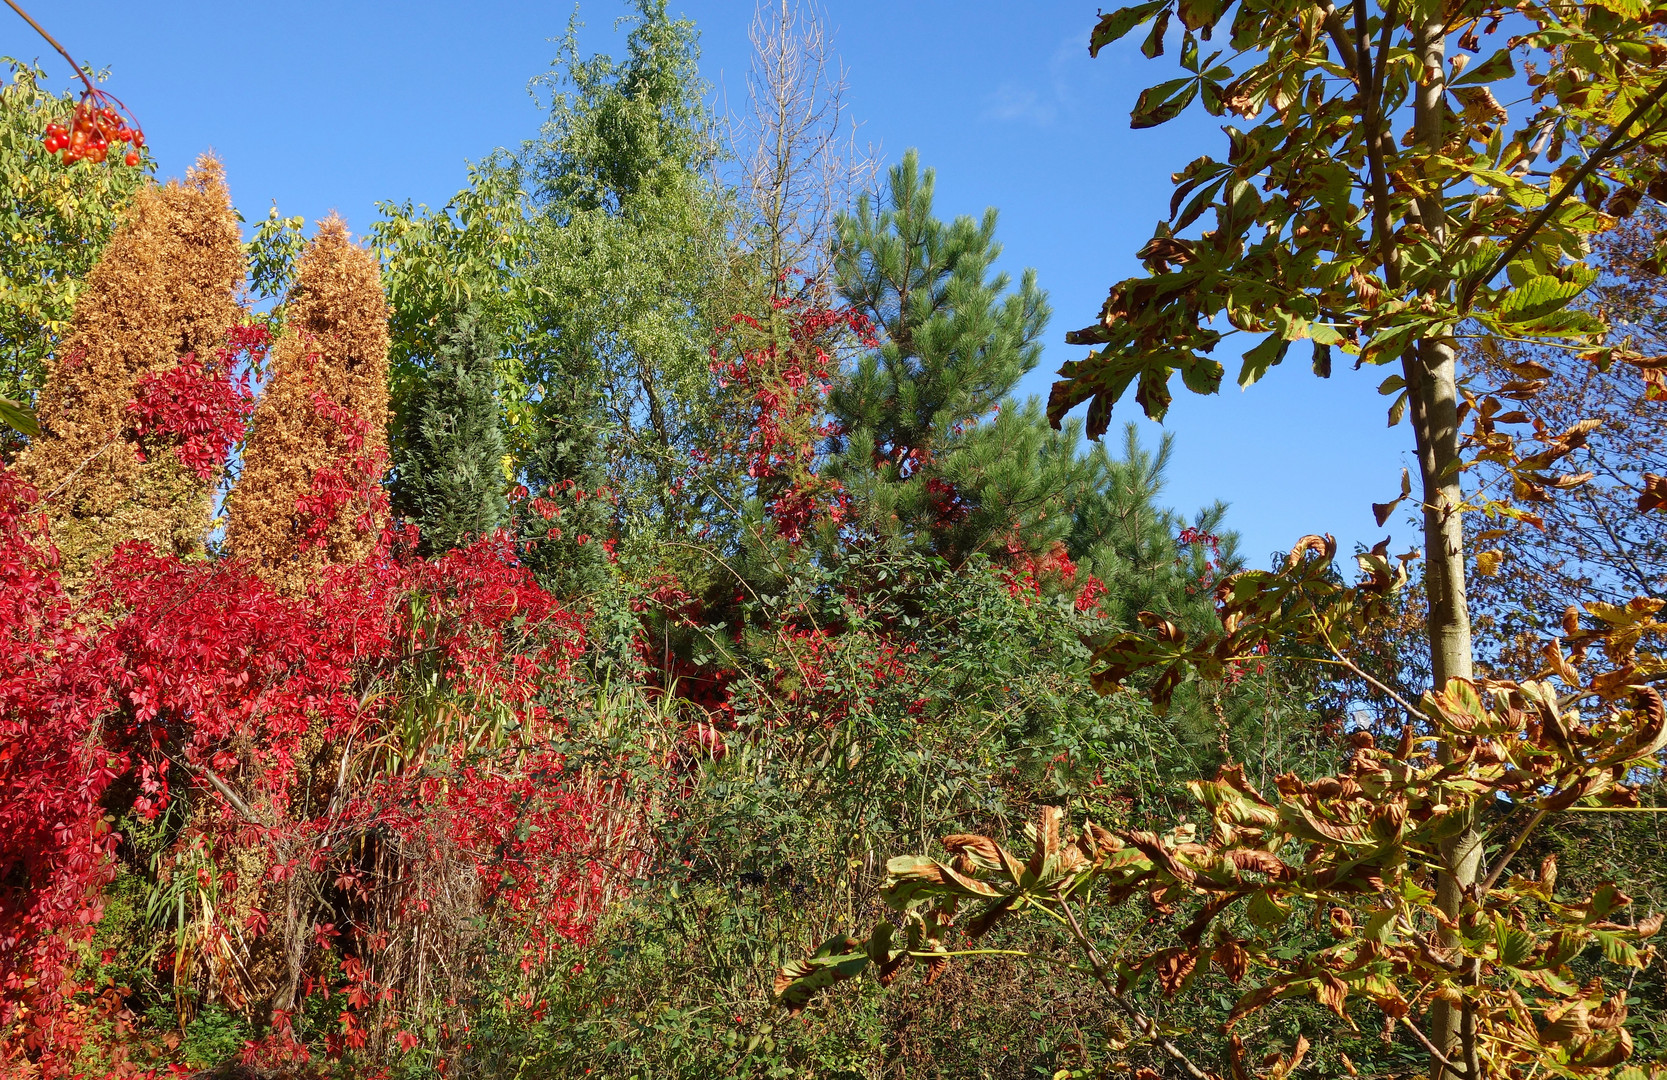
x=1511 y=849
x=1141 y=1020
x=52 y=41
x=1446 y=1061
x=1593 y=160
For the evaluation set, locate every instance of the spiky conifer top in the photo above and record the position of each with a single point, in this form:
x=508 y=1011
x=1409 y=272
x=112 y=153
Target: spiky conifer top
x=310 y=494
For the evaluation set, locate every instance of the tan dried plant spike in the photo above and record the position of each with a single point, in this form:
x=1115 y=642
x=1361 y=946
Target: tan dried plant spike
x=310 y=494
x=165 y=286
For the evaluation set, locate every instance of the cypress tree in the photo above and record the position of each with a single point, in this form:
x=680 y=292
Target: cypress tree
x=310 y=494
x=449 y=466
x=163 y=288
x=932 y=450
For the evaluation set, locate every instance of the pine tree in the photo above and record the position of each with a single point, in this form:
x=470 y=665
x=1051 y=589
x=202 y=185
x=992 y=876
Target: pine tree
x=163 y=289
x=449 y=465
x=932 y=451
x=310 y=494
x=1121 y=532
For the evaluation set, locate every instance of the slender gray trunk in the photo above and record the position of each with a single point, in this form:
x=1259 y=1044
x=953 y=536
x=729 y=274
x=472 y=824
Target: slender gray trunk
x=1432 y=399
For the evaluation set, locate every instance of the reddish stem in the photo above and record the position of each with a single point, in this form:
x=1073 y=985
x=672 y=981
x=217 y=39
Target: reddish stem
x=52 y=41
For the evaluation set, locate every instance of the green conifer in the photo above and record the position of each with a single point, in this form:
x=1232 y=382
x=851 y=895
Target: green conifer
x=933 y=451
x=449 y=477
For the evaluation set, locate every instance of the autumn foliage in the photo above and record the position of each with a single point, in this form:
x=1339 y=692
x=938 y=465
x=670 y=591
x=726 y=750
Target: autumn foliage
x=310 y=493
x=156 y=307
x=350 y=753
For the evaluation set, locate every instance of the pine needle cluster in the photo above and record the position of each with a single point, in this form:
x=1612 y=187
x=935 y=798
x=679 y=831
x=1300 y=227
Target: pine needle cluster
x=310 y=494
x=164 y=288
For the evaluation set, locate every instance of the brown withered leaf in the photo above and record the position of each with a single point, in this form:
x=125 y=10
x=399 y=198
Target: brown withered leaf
x=1367 y=288
x=1160 y=251
x=1172 y=966
x=1153 y=849
x=1559 y=664
x=1102 y=839
x=1283 y=1067
x=1603 y=1050
x=1381 y=511
x=1233 y=959
x=987 y=919
x=1331 y=992
x=1162 y=628
x=1323 y=546
x=1654 y=496
x=1260 y=862
x=973 y=852
x=1610 y=1015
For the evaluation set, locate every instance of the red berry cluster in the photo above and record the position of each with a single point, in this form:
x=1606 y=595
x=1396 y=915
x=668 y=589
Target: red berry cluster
x=96 y=129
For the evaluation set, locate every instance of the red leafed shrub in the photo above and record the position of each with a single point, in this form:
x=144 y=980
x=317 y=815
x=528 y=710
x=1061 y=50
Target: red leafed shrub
x=372 y=756
x=55 y=845
x=201 y=405
x=782 y=370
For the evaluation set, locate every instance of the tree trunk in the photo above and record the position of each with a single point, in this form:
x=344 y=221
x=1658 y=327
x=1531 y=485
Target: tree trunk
x=1432 y=399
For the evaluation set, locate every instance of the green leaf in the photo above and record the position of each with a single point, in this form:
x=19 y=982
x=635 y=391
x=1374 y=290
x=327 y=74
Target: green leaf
x=1397 y=408
x=1162 y=103
x=1152 y=47
x=836 y=960
x=1200 y=203
x=1322 y=360
x=1266 y=912
x=1200 y=14
x=19 y=417
x=1514 y=945
x=1116 y=24
x=1257 y=361
x=1496 y=67
x=1202 y=376
x=1537 y=297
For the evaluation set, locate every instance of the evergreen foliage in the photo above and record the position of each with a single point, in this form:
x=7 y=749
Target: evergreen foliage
x=1122 y=533
x=448 y=475
x=918 y=449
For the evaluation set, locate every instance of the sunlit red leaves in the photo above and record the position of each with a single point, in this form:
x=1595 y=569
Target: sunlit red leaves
x=198 y=673
x=200 y=408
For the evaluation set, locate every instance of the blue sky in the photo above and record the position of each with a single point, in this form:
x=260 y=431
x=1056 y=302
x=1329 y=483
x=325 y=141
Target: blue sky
x=336 y=106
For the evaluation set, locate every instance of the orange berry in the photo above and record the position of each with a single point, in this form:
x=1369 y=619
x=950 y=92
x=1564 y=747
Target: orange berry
x=131 y=159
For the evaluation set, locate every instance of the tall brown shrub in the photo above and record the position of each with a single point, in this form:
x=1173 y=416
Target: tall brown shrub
x=310 y=494
x=164 y=287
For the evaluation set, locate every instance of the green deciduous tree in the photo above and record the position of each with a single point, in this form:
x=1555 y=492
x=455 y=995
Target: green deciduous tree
x=1380 y=203
x=449 y=464
x=55 y=222
x=629 y=249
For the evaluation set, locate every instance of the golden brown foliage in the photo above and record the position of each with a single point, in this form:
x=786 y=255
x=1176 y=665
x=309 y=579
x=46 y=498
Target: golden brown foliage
x=310 y=494
x=164 y=287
